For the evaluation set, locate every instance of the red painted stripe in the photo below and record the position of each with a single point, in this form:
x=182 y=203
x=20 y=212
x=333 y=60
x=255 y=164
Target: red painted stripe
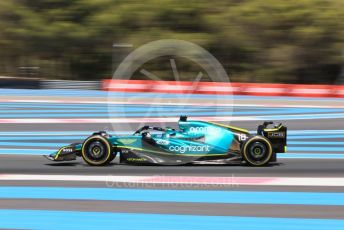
x=237 y=88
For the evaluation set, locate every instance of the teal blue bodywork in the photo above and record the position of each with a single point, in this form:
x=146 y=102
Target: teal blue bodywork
x=204 y=139
x=193 y=140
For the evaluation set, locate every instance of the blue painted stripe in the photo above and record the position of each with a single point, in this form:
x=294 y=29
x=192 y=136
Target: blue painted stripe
x=320 y=134
x=57 y=134
x=66 y=109
x=327 y=136
x=46 y=219
x=194 y=196
x=74 y=106
x=99 y=104
x=51 y=107
x=27 y=151
x=290 y=111
x=102 y=110
x=175 y=114
x=43 y=133
x=85 y=105
x=99 y=93
x=303 y=116
x=114 y=106
x=316 y=131
x=32 y=144
x=125 y=113
x=73 y=109
x=93 y=115
x=42 y=138
x=317 y=149
x=312 y=143
x=58 y=92
x=310 y=156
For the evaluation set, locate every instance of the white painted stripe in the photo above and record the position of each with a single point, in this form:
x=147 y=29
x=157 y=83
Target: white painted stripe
x=38 y=177
x=292 y=181
x=258 y=181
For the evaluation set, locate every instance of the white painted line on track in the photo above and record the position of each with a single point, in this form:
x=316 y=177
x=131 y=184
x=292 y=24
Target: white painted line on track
x=185 y=180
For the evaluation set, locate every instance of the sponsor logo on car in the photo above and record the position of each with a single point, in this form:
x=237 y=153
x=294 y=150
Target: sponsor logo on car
x=67 y=150
x=205 y=129
x=276 y=134
x=189 y=148
x=127 y=141
x=135 y=159
x=162 y=142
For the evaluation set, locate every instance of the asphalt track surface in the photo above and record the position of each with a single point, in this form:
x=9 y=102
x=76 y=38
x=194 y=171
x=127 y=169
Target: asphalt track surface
x=284 y=167
x=27 y=164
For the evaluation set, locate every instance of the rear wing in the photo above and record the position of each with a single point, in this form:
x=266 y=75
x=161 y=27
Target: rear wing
x=277 y=135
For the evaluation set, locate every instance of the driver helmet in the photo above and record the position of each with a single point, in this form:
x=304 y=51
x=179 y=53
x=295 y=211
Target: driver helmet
x=147 y=135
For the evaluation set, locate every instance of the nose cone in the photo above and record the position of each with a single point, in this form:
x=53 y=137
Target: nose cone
x=51 y=156
x=63 y=154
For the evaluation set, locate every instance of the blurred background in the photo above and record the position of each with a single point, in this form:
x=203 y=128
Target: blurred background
x=69 y=50
x=256 y=41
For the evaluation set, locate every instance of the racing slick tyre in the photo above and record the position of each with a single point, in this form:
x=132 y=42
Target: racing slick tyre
x=97 y=151
x=257 y=151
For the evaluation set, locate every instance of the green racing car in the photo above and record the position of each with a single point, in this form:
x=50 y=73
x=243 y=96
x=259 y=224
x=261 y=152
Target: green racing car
x=193 y=143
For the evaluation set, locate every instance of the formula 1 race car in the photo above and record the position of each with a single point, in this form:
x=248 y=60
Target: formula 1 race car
x=194 y=142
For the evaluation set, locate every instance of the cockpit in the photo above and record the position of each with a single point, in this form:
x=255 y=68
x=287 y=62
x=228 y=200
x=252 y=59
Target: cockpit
x=159 y=132
x=165 y=133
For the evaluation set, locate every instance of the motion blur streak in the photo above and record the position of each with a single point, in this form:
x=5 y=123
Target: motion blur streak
x=268 y=50
x=145 y=195
x=45 y=219
x=304 y=190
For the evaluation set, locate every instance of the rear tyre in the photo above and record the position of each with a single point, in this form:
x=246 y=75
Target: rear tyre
x=257 y=151
x=97 y=151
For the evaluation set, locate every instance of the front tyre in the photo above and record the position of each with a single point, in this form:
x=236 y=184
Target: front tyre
x=97 y=151
x=257 y=151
